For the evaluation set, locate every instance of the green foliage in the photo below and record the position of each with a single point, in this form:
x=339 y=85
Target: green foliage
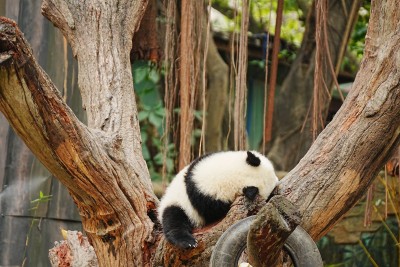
x=35 y=206
x=151 y=117
x=287 y=54
x=260 y=11
x=374 y=247
x=292 y=26
x=356 y=43
x=151 y=114
x=378 y=248
x=42 y=198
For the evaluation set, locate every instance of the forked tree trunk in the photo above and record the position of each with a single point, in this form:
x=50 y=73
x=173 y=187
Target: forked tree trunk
x=102 y=166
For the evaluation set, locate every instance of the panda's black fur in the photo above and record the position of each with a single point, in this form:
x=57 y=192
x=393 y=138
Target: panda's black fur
x=203 y=191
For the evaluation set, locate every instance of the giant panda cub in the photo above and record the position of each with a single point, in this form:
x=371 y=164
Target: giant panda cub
x=202 y=192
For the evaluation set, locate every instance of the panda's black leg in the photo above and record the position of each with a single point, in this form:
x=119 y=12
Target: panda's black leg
x=177 y=228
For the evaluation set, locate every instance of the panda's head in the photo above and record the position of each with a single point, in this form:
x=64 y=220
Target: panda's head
x=261 y=177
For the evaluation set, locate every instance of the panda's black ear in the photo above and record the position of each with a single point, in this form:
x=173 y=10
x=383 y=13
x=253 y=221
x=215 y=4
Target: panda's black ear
x=252 y=159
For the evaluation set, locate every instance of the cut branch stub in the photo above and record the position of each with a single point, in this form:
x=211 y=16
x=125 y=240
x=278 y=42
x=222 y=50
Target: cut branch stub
x=270 y=229
x=280 y=225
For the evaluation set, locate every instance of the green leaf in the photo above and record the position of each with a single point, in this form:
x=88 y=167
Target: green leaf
x=198 y=114
x=158 y=159
x=155 y=120
x=144 y=136
x=139 y=74
x=146 y=152
x=160 y=111
x=154 y=76
x=140 y=70
x=143 y=115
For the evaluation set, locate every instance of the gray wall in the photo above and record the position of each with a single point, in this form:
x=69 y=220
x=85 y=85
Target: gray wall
x=22 y=176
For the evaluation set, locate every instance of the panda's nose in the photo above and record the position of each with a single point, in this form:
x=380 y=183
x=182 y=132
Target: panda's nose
x=250 y=192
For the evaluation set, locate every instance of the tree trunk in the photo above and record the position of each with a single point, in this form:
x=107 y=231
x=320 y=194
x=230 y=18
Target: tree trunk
x=118 y=193
x=293 y=101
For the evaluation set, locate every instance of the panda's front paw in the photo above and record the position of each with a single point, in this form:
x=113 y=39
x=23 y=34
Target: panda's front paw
x=181 y=239
x=186 y=244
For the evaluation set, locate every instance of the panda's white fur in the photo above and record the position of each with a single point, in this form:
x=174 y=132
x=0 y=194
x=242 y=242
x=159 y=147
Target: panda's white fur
x=220 y=176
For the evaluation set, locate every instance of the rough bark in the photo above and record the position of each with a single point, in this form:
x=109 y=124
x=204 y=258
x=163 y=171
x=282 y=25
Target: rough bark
x=292 y=104
x=101 y=165
x=348 y=154
x=146 y=45
x=100 y=34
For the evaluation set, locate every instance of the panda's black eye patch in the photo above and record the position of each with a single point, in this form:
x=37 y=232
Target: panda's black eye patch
x=250 y=192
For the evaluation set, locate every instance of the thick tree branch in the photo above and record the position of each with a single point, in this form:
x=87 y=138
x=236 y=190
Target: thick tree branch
x=348 y=154
x=34 y=107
